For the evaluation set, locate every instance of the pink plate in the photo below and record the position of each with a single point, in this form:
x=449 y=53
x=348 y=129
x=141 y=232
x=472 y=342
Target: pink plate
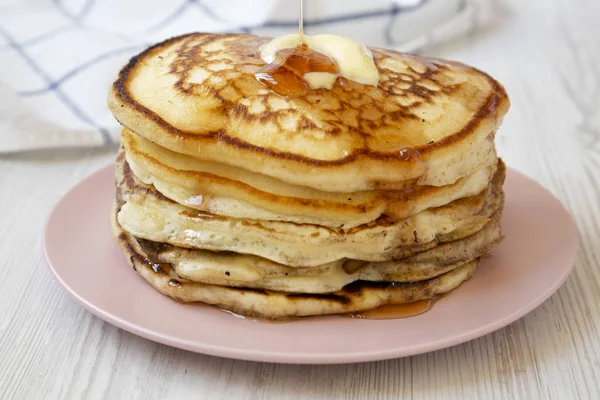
x=533 y=261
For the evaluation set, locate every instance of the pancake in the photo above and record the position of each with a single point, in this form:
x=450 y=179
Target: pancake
x=149 y=215
x=273 y=305
x=239 y=270
x=234 y=192
x=429 y=122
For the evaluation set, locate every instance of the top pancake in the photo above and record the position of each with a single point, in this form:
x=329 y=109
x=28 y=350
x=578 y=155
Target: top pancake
x=197 y=94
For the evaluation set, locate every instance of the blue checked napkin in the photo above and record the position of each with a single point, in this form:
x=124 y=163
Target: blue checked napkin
x=58 y=57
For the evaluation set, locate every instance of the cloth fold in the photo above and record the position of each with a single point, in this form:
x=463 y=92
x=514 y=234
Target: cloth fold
x=58 y=57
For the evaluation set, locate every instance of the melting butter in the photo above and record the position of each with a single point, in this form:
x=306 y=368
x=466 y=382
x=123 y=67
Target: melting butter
x=320 y=80
x=353 y=59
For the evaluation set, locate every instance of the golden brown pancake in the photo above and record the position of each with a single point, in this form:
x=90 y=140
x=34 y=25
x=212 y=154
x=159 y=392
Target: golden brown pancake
x=149 y=215
x=240 y=270
x=428 y=122
x=229 y=191
x=273 y=305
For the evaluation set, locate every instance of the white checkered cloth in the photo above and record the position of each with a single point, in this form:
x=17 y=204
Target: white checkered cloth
x=59 y=57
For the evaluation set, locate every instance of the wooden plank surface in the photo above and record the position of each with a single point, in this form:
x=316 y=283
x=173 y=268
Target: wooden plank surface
x=547 y=53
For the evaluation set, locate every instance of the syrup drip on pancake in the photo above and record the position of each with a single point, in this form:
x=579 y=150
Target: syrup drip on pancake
x=410 y=154
x=286 y=74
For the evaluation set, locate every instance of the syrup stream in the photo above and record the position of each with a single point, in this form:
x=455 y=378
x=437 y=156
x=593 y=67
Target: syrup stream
x=301 y=22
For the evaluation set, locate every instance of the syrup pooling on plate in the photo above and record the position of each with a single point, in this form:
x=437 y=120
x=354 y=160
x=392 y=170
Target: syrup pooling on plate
x=390 y=311
x=286 y=75
x=394 y=311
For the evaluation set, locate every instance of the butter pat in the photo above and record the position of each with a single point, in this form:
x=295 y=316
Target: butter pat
x=320 y=80
x=353 y=59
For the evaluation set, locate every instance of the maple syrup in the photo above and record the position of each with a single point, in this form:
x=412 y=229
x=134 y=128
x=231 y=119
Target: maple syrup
x=396 y=311
x=409 y=154
x=301 y=22
x=286 y=74
x=390 y=311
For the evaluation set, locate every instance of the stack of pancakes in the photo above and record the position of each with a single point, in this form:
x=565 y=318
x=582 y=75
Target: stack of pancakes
x=336 y=201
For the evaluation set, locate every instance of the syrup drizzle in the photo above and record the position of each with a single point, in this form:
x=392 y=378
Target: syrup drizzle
x=286 y=74
x=301 y=22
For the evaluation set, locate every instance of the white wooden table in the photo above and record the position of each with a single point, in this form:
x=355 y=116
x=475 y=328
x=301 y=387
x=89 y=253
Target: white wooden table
x=547 y=53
